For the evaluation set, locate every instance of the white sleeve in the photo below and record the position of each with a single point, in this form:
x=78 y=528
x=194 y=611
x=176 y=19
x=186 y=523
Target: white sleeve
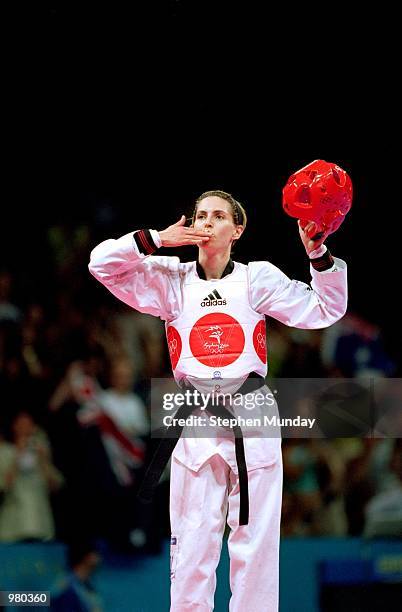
x=148 y=283
x=295 y=303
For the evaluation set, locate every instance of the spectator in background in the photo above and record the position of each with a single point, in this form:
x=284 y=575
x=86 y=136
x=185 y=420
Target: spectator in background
x=18 y=384
x=27 y=478
x=119 y=414
x=330 y=519
x=313 y=488
x=359 y=486
x=383 y=513
x=120 y=403
x=111 y=425
x=128 y=412
x=300 y=478
x=74 y=592
x=143 y=340
x=354 y=346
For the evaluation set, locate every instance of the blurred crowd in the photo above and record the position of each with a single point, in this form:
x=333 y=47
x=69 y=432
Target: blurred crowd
x=75 y=371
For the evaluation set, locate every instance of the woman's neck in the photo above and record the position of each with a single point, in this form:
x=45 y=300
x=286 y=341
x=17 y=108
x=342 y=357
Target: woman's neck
x=213 y=264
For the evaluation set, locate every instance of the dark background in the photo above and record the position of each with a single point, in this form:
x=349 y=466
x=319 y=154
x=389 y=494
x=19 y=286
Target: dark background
x=118 y=117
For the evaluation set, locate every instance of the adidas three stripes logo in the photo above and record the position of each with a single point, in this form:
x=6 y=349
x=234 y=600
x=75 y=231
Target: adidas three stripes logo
x=213 y=299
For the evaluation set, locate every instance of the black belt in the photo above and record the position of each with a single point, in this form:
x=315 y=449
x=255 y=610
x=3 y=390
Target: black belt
x=167 y=445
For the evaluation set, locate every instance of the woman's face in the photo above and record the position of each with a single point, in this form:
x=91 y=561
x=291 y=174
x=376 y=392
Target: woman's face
x=122 y=378
x=214 y=215
x=23 y=425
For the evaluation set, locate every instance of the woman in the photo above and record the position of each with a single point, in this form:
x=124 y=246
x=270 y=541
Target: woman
x=214 y=311
x=27 y=479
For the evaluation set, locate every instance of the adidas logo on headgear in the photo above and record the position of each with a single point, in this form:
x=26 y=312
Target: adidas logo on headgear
x=213 y=299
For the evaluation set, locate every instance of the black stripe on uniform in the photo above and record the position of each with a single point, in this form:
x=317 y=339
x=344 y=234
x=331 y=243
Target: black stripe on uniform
x=323 y=263
x=144 y=242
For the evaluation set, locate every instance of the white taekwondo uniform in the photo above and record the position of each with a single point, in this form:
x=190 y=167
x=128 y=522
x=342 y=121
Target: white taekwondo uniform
x=216 y=330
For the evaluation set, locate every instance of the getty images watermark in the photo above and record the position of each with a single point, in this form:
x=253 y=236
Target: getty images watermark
x=286 y=407
x=219 y=410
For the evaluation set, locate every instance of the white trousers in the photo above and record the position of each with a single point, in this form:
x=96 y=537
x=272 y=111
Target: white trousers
x=199 y=503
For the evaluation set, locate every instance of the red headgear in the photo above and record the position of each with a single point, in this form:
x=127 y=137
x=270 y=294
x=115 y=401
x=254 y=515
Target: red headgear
x=319 y=192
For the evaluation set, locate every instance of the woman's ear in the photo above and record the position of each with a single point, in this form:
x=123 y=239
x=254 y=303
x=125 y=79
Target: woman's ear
x=239 y=229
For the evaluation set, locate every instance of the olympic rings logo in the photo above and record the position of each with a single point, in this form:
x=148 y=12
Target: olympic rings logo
x=172 y=345
x=261 y=340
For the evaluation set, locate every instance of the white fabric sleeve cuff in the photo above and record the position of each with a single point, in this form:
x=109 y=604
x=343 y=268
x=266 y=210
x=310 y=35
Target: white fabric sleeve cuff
x=318 y=252
x=156 y=238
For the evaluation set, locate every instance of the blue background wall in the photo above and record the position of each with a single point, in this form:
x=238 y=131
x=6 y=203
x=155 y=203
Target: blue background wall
x=141 y=584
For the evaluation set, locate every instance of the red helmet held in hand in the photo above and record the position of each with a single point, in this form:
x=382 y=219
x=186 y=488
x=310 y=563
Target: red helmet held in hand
x=320 y=192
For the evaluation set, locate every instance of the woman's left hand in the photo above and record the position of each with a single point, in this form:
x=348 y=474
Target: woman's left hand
x=307 y=228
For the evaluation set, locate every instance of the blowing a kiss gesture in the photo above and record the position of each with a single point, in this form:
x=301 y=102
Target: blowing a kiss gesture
x=178 y=235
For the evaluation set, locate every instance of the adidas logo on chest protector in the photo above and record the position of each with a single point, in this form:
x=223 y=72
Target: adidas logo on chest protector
x=213 y=299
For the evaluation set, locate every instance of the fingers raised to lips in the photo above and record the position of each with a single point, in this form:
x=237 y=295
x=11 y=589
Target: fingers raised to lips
x=197 y=239
x=193 y=232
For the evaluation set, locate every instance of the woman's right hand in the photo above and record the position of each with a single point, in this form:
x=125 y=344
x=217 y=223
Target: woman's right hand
x=178 y=235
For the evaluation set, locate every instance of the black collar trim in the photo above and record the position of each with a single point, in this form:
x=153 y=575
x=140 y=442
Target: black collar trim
x=227 y=270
